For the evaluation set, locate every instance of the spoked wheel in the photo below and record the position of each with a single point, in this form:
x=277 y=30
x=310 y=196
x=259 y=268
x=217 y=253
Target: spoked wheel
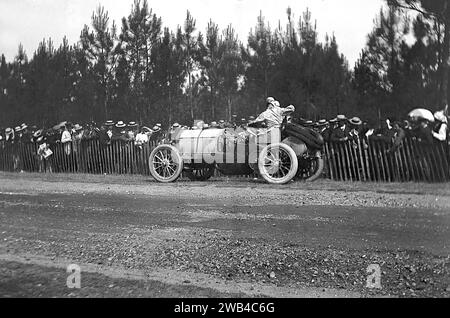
x=201 y=173
x=165 y=163
x=277 y=163
x=310 y=168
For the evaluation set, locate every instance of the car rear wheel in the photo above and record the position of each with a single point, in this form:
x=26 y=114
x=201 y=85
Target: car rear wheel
x=165 y=163
x=278 y=163
x=310 y=168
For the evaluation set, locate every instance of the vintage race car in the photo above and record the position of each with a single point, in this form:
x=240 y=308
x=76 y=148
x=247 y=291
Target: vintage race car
x=272 y=153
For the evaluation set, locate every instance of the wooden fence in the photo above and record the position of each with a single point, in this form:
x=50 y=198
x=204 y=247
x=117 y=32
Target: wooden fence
x=373 y=160
x=344 y=161
x=84 y=157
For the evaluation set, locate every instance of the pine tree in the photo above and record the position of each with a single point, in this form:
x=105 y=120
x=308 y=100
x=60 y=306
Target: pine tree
x=191 y=45
x=140 y=34
x=439 y=11
x=4 y=80
x=211 y=55
x=259 y=59
x=382 y=60
x=169 y=76
x=231 y=67
x=101 y=46
x=18 y=83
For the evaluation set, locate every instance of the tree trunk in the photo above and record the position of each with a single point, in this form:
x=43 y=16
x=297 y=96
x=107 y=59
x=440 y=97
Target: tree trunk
x=170 y=107
x=106 y=104
x=266 y=90
x=213 y=110
x=191 y=106
x=229 y=108
x=446 y=60
x=105 y=95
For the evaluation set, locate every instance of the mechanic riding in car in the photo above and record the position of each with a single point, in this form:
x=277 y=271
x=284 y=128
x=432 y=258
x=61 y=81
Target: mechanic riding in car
x=273 y=115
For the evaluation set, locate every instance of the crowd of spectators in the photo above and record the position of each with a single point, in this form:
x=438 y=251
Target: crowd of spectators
x=70 y=135
x=339 y=129
x=66 y=133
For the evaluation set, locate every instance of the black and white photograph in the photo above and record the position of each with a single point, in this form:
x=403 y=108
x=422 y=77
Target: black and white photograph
x=224 y=156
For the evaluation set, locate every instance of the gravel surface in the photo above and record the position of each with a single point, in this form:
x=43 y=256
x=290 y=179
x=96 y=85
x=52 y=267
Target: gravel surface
x=225 y=238
x=30 y=280
x=244 y=192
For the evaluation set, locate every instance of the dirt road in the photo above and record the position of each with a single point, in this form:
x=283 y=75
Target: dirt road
x=132 y=237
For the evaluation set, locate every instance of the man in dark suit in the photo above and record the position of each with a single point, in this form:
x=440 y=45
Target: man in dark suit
x=341 y=133
x=384 y=132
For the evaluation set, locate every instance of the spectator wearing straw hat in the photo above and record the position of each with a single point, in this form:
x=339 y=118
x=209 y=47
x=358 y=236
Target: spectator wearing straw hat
x=356 y=133
x=37 y=136
x=355 y=126
x=17 y=133
x=323 y=128
x=142 y=138
x=9 y=143
x=132 y=130
x=174 y=131
x=78 y=132
x=120 y=125
x=156 y=132
x=66 y=140
x=44 y=153
x=234 y=120
x=105 y=134
x=308 y=124
x=120 y=132
x=9 y=135
x=341 y=132
x=88 y=132
x=16 y=140
x=25 y=135
x=77 y=136
x=333 y=124
x=109 y=129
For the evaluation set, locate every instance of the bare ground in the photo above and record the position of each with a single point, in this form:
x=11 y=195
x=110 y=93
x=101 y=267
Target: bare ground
x=223 y=238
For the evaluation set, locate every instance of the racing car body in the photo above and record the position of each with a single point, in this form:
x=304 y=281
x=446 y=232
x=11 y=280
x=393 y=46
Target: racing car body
x=199 y=152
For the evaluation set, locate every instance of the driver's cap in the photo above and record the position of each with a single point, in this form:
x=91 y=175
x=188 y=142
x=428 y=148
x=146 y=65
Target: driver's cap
x=270 y=100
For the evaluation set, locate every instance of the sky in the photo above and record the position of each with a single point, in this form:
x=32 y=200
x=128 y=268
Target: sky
x=30 y=21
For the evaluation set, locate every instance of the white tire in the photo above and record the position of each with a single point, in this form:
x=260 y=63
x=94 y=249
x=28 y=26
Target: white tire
x=165 y=164
x=278 y=163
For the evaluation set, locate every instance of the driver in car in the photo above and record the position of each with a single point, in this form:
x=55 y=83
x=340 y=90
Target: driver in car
x=273 y=115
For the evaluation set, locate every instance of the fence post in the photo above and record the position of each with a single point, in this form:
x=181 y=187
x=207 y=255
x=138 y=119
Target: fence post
x=328 y=161
x=334 y=160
